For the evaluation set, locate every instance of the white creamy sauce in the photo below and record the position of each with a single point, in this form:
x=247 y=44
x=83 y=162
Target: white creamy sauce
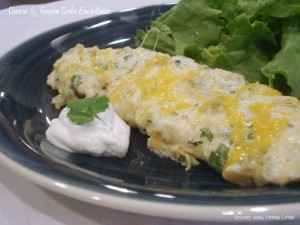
x=106 y=137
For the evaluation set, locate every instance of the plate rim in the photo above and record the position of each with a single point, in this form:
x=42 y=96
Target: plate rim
x=213 y=213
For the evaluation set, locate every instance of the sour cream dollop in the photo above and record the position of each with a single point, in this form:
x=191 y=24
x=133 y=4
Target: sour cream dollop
x=108 y=136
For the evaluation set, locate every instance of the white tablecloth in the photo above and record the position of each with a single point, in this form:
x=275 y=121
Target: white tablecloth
x=23 y=202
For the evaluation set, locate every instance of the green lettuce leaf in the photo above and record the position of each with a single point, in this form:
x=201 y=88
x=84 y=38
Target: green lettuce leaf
x=158 y=38
x=258 y=39
x=280 y=8
x=286 y=63
x=245 y=51
x=191 y=21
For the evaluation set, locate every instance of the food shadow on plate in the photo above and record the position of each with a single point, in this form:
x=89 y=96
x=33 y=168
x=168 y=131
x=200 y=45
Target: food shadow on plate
x=140 y=166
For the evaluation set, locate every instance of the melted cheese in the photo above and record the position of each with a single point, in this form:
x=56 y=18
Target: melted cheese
x=160 y=85
x=253 y=136
x=172 y=99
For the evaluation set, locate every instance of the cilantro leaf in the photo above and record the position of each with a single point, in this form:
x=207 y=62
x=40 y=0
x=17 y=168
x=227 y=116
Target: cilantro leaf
x=218 y=157
x=206 y=132
x=82 y=111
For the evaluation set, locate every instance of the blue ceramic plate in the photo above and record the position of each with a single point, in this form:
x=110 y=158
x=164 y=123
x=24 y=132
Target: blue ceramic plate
x=142 y=182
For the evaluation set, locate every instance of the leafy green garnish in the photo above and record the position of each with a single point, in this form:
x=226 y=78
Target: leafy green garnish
x=82 y=111
x=76 y=80
x=258 y=39
x=206 y=132
x=249 y=136
x=126 y=57
x=286 y=62
x=218 y=157
x=103 y=65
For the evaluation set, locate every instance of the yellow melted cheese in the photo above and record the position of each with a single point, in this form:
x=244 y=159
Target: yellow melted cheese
x=251 y=138
x=156 y=80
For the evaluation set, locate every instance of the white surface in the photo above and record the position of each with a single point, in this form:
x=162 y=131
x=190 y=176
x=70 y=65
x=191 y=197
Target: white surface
x=23 y=202
x=19 y=23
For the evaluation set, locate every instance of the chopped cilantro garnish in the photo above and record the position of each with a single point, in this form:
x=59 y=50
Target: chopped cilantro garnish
x=82 y=111
x=104 y=65
x=126 y=57
x=250 y=136
x=218 y=157
x=206 y=132
x=177 y=62
x=76 y=80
